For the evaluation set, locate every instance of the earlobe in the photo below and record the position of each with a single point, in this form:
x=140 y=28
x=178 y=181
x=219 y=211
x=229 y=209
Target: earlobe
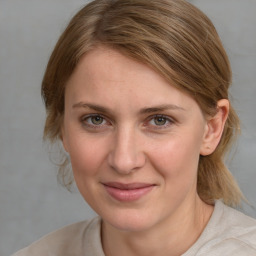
x=214 y=128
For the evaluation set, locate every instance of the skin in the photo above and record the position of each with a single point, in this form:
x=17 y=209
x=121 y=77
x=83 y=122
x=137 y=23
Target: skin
x=124 y=123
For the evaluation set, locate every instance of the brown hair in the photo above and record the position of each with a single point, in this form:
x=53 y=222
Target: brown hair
x=175 y=39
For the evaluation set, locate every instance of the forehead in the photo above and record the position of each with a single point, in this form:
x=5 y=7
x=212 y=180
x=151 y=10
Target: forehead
x=106 y=75
x=111 y=64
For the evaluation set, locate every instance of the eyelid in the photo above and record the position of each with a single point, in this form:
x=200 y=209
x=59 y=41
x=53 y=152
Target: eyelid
x=146 y=124
x=84 y=117
x=91 y=115
x=169 y=119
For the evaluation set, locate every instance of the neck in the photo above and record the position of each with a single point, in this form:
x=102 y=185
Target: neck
x=172 y=236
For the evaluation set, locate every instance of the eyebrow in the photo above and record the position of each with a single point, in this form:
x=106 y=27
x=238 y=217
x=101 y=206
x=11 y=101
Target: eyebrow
x=92 y=106
x=160 y=108
x=145 y=110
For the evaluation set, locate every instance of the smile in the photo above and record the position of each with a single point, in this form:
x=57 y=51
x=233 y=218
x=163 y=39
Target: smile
x=127 y=192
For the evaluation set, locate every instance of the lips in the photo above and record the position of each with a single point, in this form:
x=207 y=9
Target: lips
x=127 y=192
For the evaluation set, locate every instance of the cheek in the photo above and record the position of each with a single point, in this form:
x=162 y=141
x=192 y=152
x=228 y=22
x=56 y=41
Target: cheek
x=177 y=158
x=86 y=156
x=177 y=163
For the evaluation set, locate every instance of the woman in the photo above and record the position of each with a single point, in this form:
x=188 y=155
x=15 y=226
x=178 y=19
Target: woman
x=137 y=91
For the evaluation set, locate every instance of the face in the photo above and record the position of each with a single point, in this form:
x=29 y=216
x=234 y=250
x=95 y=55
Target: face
x=134 y=140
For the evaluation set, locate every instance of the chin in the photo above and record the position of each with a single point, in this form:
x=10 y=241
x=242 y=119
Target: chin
x=131 y=221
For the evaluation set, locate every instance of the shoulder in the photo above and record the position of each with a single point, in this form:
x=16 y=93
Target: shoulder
x=82 y=238
x=235 y=224
x=229 y=232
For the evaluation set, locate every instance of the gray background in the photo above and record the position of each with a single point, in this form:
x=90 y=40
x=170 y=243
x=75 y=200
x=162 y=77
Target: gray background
x=31 y=202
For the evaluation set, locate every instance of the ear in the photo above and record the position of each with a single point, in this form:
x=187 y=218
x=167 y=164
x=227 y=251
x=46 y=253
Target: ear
x=214 y=128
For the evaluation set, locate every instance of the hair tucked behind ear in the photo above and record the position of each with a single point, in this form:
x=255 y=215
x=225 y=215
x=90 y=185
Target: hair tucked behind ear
x=175 y=39
x=214 y=179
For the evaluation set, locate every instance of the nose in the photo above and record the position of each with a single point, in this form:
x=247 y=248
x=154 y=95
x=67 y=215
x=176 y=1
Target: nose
x=126 y=155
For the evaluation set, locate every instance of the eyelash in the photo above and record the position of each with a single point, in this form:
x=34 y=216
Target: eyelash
x=85 y=119
x=168 y=122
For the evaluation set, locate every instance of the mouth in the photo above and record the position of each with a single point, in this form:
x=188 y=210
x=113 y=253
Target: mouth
x=127 y=192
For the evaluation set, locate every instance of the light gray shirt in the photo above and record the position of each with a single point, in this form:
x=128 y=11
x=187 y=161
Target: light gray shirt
x=228 y=232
